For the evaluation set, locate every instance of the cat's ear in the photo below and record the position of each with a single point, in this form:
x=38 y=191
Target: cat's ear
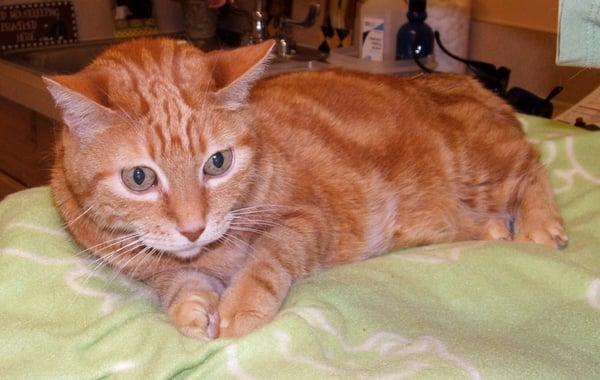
x=235 y=71
x=80 y=99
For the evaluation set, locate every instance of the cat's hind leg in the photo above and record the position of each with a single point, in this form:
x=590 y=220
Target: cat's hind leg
x=537 y=218
x=497 y=228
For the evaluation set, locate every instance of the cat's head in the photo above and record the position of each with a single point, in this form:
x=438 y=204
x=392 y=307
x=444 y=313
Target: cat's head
x=158 y=143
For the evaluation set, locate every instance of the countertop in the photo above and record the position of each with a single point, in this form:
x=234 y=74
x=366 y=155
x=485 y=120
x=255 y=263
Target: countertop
x=26 y=87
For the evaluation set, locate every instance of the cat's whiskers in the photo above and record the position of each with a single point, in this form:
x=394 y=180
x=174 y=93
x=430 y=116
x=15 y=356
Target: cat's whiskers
x=93 y=272
x=135 y=236
x=245 y=221
x=253 y=230
x=107 y=244
x=70 y=222
x=236 y=241
x=119 y=252
x=149 y=253
x=122 y=267
x=156 y=255
x=105 y=259
x=263 y=208
x=254 y=214
x=264 y=215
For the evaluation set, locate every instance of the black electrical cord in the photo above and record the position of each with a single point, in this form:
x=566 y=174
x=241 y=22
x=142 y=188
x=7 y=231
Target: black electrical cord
x=496 y=80
x=422 y=65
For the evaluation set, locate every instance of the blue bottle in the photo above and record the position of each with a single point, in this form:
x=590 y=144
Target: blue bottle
x=414 y=38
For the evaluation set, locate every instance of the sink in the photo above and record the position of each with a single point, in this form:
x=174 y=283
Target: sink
x=280 y=67
x=63 y=60
x=70 y=59
x=304 y=59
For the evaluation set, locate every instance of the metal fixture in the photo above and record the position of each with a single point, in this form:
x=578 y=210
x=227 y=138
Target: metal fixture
x=259 y=23
x=286 y=46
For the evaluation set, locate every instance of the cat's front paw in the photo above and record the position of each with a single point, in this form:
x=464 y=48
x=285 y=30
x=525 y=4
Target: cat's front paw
x=242 y=313
x=195 y=314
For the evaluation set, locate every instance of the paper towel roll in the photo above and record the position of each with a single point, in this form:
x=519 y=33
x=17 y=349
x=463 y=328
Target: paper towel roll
x=451 y=18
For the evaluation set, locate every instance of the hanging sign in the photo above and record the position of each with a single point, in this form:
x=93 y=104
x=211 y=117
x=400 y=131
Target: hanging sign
x=37 y=25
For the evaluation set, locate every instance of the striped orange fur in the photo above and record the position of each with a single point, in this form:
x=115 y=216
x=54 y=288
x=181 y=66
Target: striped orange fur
x=218 y=188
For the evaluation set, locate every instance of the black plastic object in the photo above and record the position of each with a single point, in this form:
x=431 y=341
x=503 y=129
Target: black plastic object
x=531 y=104
x=492 y=77
x=579 y=122
x=496 y=80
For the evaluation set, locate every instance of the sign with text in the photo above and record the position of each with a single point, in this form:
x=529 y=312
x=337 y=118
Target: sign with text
x=37 y=25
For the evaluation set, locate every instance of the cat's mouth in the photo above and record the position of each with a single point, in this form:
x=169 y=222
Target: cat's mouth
x=186 y=251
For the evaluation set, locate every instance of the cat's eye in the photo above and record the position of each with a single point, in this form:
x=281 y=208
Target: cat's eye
x=138 y=178
x=218 y=163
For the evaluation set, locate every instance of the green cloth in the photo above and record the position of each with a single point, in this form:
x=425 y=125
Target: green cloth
x=579 y=33
x=490 y=310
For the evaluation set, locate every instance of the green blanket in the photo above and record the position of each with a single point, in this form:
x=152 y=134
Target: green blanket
x=492 y=310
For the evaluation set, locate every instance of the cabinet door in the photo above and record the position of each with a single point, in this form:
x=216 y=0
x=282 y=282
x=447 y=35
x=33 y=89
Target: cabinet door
x=26 y=140
x=9 y=185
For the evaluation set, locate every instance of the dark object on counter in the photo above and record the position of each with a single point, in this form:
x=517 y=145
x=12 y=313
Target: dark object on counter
x=493 y=78
x=582 y=124
x=415 y=38
x=531 y=104
x=496 y=80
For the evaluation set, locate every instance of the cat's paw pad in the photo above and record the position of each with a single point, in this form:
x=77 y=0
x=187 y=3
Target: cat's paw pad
x=241 y=323
x=196 y=315
x=551 y=233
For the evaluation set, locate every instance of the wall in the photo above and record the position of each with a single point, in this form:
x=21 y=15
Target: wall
x=530 y=54
x=538 y=15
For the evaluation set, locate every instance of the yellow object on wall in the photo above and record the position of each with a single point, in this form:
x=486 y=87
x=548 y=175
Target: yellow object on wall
x=539 y=15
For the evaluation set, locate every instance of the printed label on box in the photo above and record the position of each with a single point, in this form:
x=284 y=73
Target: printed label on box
x=372 y=39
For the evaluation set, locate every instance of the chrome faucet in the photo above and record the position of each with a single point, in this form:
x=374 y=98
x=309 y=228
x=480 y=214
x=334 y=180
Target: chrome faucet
x=258 y=18
x=286 y=46
x=259 y=23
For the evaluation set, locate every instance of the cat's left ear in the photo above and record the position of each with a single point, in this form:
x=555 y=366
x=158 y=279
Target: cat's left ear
x=82 y=103
x=235 y=71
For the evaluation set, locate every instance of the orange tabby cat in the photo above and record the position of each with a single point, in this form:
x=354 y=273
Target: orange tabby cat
x=219 y=189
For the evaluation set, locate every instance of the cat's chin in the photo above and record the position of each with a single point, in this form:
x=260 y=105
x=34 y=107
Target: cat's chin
x=187 y=253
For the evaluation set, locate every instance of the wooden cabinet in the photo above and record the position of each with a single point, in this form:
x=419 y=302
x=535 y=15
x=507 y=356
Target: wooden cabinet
x=9 y=185
x=26 y=142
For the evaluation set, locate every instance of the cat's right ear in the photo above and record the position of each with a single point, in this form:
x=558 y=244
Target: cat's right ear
x=235 y=71
x=80 y=104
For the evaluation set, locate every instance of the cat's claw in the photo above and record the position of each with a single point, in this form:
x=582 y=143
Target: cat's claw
x=551 y=234
x=196 y=315
x=241 y=323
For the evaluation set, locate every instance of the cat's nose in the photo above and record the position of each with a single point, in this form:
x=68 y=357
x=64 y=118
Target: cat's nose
x=192 y=234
